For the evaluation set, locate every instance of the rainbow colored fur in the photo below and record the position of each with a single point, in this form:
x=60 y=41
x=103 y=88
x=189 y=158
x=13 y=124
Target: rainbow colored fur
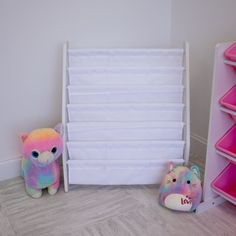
x=41 y=149
x=181 y=188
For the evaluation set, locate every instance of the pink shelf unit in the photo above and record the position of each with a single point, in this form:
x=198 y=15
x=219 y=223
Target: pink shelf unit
x=225 y=183
x=226 y=145
x=220 y=171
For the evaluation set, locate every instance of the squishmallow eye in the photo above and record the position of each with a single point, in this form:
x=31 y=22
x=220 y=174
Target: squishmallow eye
x=174 y=180
x=54 y=150
x=35 y=154
x=188 y=182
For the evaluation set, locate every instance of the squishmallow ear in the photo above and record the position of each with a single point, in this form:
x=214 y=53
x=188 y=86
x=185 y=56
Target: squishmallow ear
x=23 y=136
x=59 y=128
x=196 y=170
x=171 y=166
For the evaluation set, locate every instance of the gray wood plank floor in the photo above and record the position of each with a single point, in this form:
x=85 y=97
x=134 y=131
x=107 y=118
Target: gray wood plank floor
x=104 y=211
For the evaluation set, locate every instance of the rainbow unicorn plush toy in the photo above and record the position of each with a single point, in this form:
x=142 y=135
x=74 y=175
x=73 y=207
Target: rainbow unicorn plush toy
x=181 y=188
x=41 y=149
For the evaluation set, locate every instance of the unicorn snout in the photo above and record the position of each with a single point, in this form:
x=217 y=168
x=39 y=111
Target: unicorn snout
x=45 y=157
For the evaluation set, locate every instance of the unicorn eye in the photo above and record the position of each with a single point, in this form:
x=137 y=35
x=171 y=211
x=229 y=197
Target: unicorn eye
x=174 y=180
x=35 y=154
x=188 y=182
x=54 y=150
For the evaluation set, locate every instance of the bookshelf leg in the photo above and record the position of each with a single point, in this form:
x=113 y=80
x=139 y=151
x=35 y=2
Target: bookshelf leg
x=205 y=205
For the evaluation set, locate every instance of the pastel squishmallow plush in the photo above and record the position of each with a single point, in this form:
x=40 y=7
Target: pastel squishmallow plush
x=41 y=149
x=181 y=188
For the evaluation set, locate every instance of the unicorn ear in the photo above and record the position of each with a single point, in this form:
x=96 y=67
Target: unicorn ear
x=59 y=128
x=23 y=137
x=171 y=166
x=196 y=170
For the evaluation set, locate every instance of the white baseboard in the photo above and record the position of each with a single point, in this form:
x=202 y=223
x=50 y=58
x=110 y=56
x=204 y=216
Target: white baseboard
x=9 y=169
x=198 y=147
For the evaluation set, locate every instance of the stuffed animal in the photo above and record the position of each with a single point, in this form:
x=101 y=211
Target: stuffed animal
x=181 y=188
x=41 y=149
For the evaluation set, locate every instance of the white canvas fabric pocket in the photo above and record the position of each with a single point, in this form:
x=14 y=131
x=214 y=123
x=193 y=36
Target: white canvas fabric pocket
x=125 y=112
x=117 y=172
x=120 y=131
x=125 y=94
x=125 y=57
x=126 y=150
x=125 y=76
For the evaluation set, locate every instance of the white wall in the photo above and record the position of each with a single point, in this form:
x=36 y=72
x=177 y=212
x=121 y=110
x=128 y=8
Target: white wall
x=203 y=24
x=32 y=33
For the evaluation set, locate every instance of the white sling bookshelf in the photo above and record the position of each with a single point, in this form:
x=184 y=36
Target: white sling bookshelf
x=125 y=113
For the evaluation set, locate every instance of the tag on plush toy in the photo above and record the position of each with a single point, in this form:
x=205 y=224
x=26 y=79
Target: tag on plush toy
x=181 y=188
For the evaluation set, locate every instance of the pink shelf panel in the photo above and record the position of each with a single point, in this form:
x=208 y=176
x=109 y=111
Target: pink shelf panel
x=229 y=99
x=232 y=114
x=230 y=52
x=225 y=183
x=227 y=143
x=230 y=158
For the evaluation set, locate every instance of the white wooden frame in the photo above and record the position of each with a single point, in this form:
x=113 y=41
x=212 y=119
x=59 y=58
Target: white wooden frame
x=187 y=103
x=64 y=116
